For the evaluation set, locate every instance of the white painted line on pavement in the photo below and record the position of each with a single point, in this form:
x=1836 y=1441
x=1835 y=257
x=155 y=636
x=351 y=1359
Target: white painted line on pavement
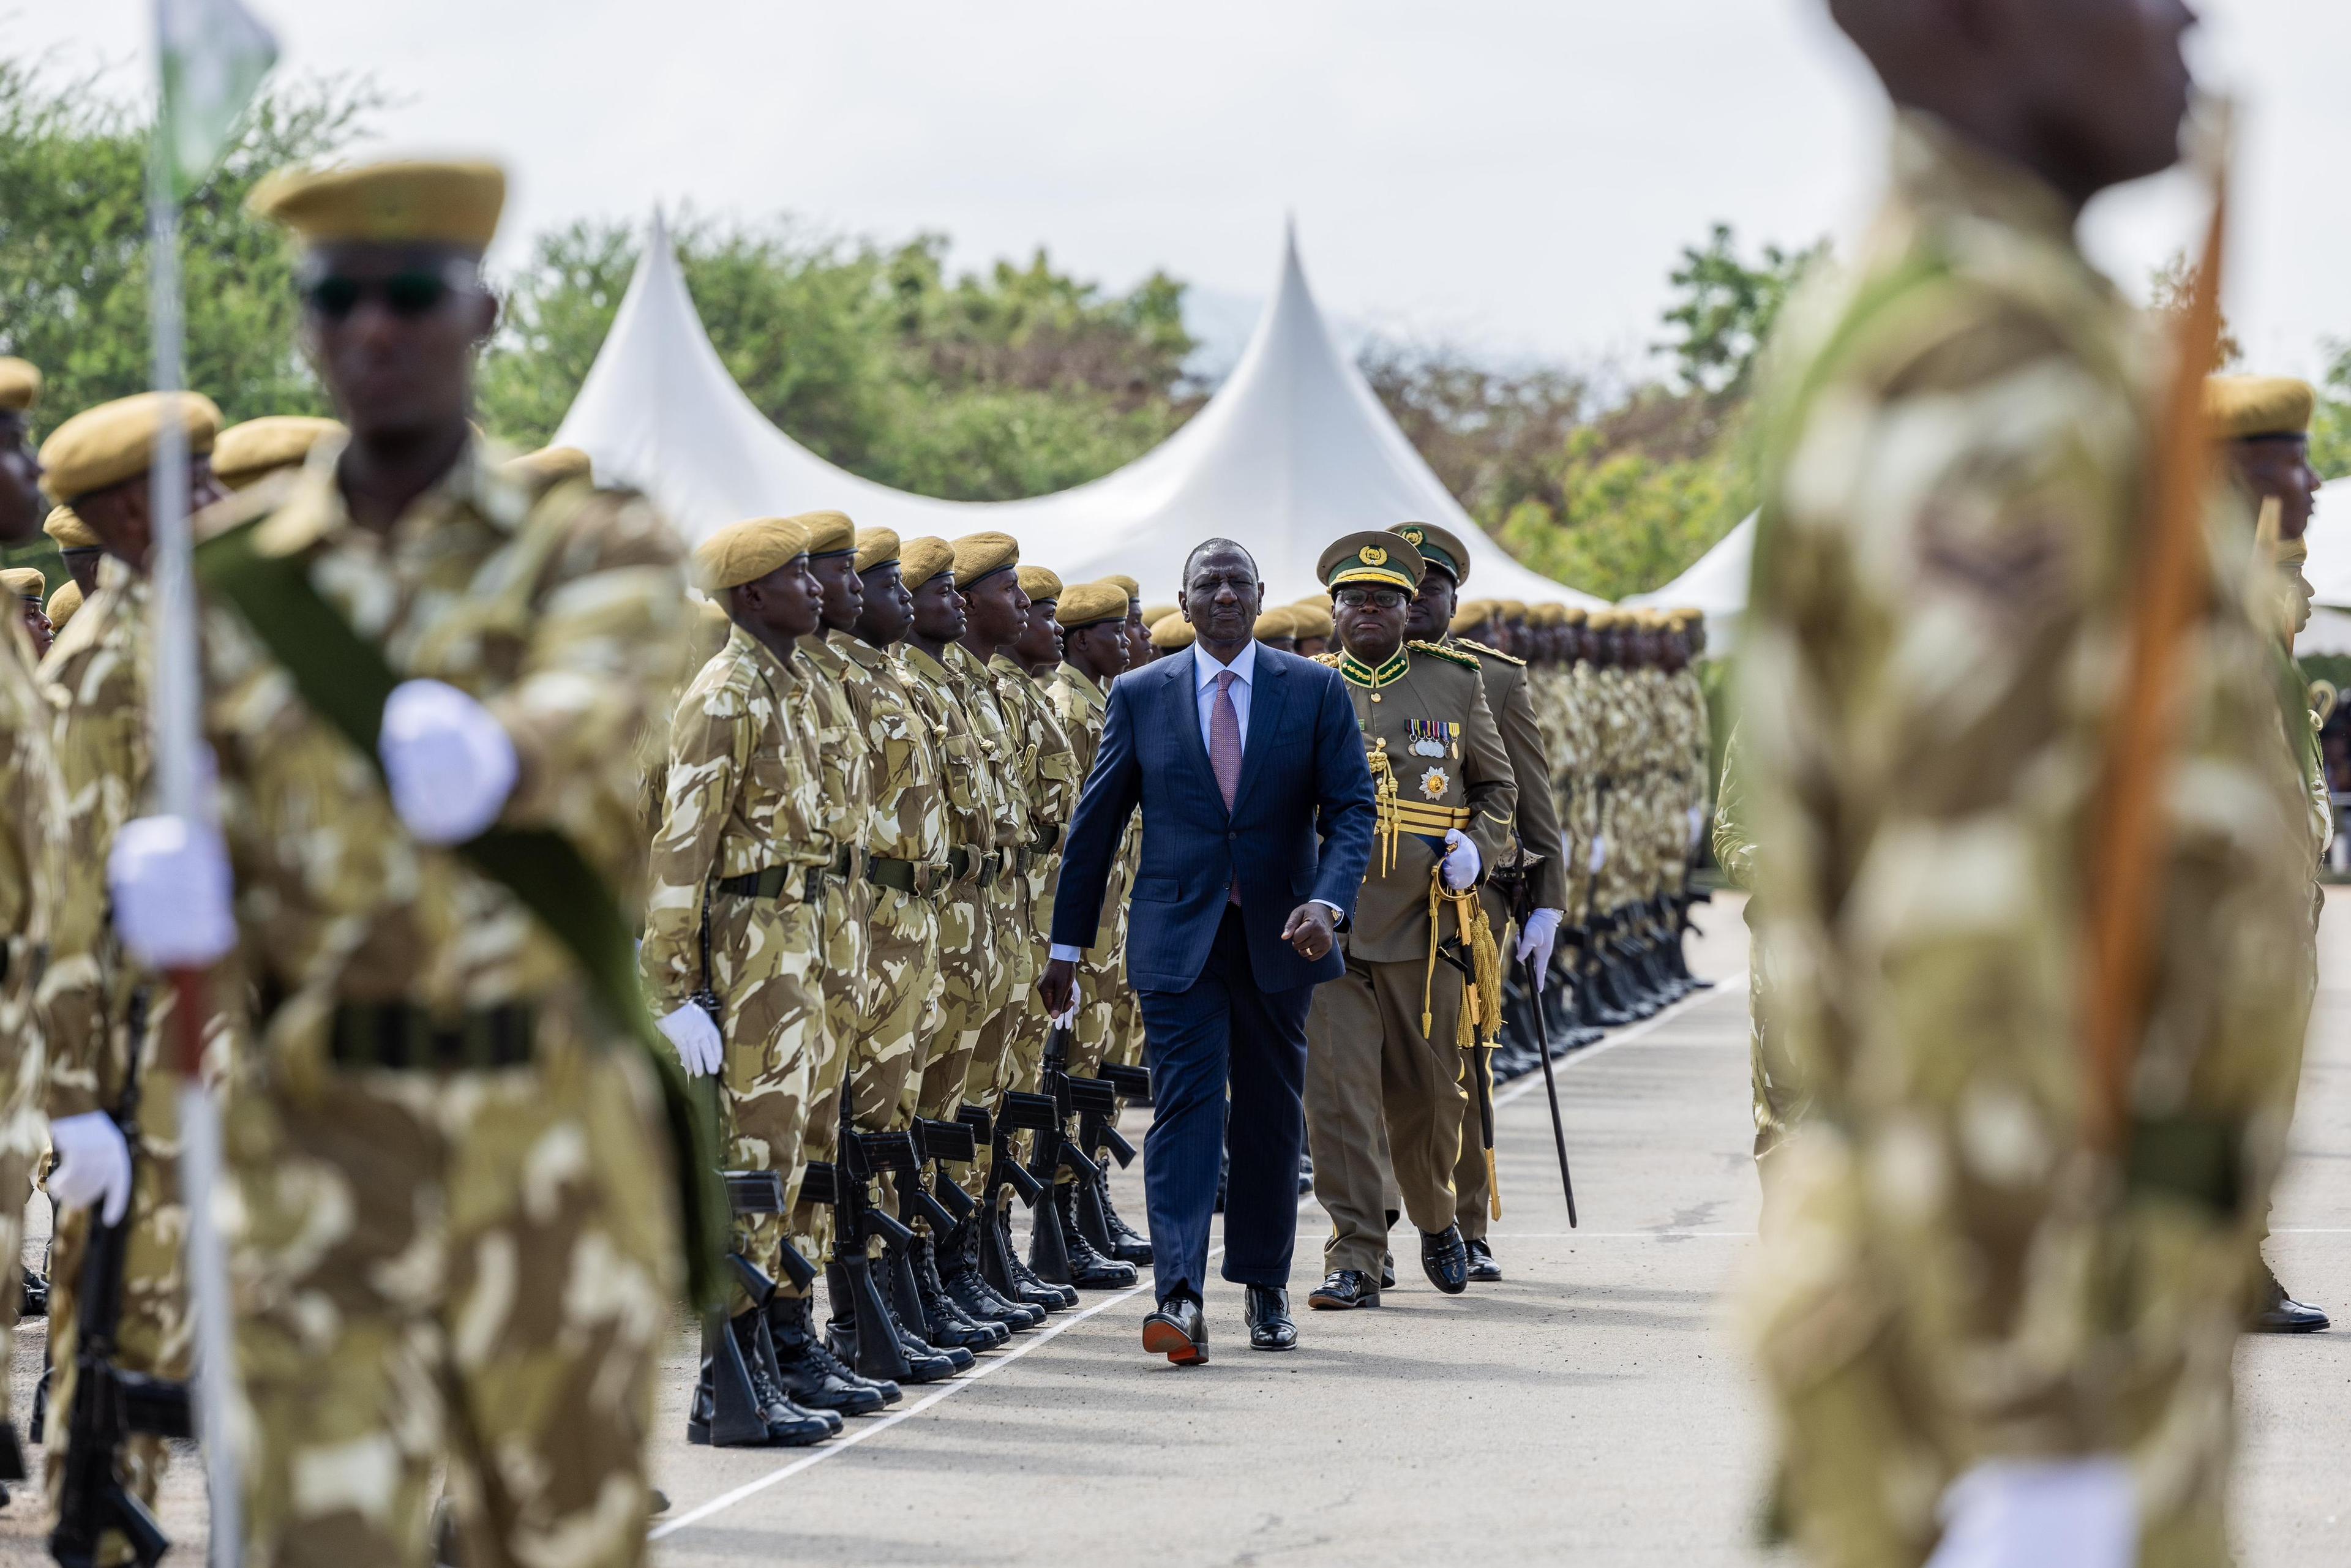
x=1621 y=1235
x=857 y=1429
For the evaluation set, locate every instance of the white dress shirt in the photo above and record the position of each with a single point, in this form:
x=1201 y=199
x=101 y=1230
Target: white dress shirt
x=1204 y=671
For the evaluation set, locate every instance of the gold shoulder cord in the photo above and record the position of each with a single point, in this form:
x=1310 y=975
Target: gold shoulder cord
x=1384 y=825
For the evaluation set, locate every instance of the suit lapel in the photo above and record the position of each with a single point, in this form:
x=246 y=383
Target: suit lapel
x=1266 y=703
x=1183 y=698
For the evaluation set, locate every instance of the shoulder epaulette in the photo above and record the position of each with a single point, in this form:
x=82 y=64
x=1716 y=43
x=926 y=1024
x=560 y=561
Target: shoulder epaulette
x=1483 y=651
x=1451 y=655
x=1330 y=659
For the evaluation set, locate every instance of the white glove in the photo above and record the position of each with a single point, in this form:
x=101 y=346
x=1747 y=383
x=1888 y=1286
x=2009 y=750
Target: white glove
x=93 y=1165
x=1697 y=824
x=701 y=1049
x=2017 y=1513
x=1461 y=860
x=1599 y=852
x=1535 y=944
x=171 y=886
x=450 y=763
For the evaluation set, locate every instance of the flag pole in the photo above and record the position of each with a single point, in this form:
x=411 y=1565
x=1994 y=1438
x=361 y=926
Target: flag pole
x=175 y=694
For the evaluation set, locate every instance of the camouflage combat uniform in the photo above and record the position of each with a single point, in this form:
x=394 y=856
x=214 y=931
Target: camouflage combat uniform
x=102 y=1009
x=1079 y=707
x=1945 y=581
x=466 y=1267
x=1007 y=898
x=740 y=800
x=1046 y=767
x=32 y=884
x=845 y=790
x=1780 y=1101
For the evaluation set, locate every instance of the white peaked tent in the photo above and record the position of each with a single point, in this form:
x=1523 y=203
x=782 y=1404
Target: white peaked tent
x=1291 y=452
x=1715 y=583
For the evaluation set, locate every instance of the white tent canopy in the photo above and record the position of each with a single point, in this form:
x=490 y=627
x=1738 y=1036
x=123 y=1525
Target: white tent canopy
x=1716 y=584
x=1291 y=452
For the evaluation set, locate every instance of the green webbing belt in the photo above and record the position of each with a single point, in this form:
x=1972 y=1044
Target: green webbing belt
x=345 y=680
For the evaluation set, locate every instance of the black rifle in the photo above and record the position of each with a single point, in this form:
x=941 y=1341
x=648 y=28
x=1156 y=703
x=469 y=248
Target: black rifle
x=1521 y=910
x=737 y=1415
x=845 y=1183
x=1055 y=1150
x=1020 y=1113
x=110 y=1404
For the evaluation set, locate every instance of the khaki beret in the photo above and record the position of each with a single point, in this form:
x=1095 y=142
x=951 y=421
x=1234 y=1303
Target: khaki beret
x=829 y=533
x=1471 y=616
x=1572 y=615
x=1090 y=605
x=1279 y=622
x=63 y=604
x=248 y=452
x=65 y=526
x=1171 y=632
x=876 y=547
x=1133 y=588
x=1371 y=556
x=25 y=582
x=746 y=551
x=982 y=554
x=2243 y=408
x=550 y=465
x=1509 y=609
x=1602 y=620
x=116 y=441
x=919 y=560
x=393 y=202
x=1314 y=619
x=1440 y=548
x=1545 y=614
x=1153 y=614
x=20 y=385
x=1040 y=582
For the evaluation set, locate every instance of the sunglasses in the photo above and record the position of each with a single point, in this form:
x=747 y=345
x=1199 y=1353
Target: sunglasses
x=407 y=295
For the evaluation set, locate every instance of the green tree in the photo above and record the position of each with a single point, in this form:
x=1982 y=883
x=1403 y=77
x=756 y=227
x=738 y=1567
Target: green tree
x=2330 y=431
x=73 y=246
x=1724 y=308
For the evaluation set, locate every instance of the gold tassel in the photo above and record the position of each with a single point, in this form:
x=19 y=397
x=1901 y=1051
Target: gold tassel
x=1384 y=825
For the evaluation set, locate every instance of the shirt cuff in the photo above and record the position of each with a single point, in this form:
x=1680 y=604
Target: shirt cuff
x=1063 y=953
x=1337 y=914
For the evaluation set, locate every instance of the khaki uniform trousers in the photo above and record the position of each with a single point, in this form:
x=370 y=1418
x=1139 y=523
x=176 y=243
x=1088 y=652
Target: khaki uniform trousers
x=1369 y=1066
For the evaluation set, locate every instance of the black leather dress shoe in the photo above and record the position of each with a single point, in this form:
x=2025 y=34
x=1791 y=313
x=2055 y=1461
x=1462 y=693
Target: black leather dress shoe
x=1268 y=1312
x=1388 y=1272
x=1445 y=1259
x=1483 y=1269
x=2281 y=1314
x=1344 y=1290
x=1178 y=1330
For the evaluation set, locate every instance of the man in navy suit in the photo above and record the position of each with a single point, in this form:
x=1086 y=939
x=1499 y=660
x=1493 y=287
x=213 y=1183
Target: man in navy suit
x=1257 y=807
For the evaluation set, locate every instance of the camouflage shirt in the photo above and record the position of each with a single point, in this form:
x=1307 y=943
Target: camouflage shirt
x=844 y=756
x=1042 y=756
x=741 y=796
x=909 y=820
x=999 y=752
x=967 y=785
x=1079 y=708
x=32 y=864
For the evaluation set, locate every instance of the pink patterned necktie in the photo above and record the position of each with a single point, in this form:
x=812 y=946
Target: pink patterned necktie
x=1225 y=756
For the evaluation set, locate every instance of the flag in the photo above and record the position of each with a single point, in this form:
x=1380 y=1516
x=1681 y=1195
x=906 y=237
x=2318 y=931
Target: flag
x=213 y=54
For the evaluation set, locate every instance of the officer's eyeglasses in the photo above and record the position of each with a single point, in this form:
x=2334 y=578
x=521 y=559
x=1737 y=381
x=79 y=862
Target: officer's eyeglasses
x=1374 y=598
x=407 y=295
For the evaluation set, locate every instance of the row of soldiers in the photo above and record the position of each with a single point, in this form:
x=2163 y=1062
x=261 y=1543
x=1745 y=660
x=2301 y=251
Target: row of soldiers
x=854 y=805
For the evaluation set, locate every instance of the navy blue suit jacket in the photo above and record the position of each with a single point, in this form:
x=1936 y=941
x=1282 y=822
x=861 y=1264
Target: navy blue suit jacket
x=1301 y=826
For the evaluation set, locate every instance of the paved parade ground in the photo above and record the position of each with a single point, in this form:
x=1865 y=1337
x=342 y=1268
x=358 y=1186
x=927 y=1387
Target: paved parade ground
x=1595 y=1407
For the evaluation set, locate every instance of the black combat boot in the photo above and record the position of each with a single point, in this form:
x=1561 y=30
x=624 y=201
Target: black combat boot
x=1089 y=1269
x=906 y=1302
x=855 y=1314
x=942 y=1313
x=961 y=1274
x=1007 y=1275
x=812 y=1375
x=738 y=1403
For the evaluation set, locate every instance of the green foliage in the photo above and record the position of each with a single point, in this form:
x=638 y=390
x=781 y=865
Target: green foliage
x=74 y=255
x=1726 y=309
x=988 y=386
x=2330 y=429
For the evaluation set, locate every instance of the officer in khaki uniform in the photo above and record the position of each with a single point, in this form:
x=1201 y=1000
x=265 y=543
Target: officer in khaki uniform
x=458 y=1213
x=32 y=877
x=1981 y=1329
x=28 y=588
x=103 y=1010
x=1534 y=857
x=730 y=916
x=1385 y=1041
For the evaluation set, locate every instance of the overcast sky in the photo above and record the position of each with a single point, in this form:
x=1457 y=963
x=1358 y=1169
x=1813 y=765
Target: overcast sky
x=1516 y=176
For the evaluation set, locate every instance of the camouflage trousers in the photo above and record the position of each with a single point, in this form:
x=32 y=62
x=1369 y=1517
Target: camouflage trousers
x=970 y=989
x=1024 y=1053
x=154 y=1332
x=842 y=977
x=1016 y=975
x=1102 y=978
x=763 y=958
x=885 y=1064
x=23 y=1133
x=1579 y=824
x=468 y=1272
x=1780 y=1101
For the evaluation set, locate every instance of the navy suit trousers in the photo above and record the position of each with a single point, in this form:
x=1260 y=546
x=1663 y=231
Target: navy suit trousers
x=1221 y=1031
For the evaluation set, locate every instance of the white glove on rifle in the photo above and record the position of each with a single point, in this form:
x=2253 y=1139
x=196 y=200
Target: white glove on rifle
x=700 y=1049
x=450 y=763
x=93 y=1165
x=1599 y=852
x=2027 y=1513
x=1697 y=824
x=1535 y=943
x=1461 y=862
x=171 y=885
